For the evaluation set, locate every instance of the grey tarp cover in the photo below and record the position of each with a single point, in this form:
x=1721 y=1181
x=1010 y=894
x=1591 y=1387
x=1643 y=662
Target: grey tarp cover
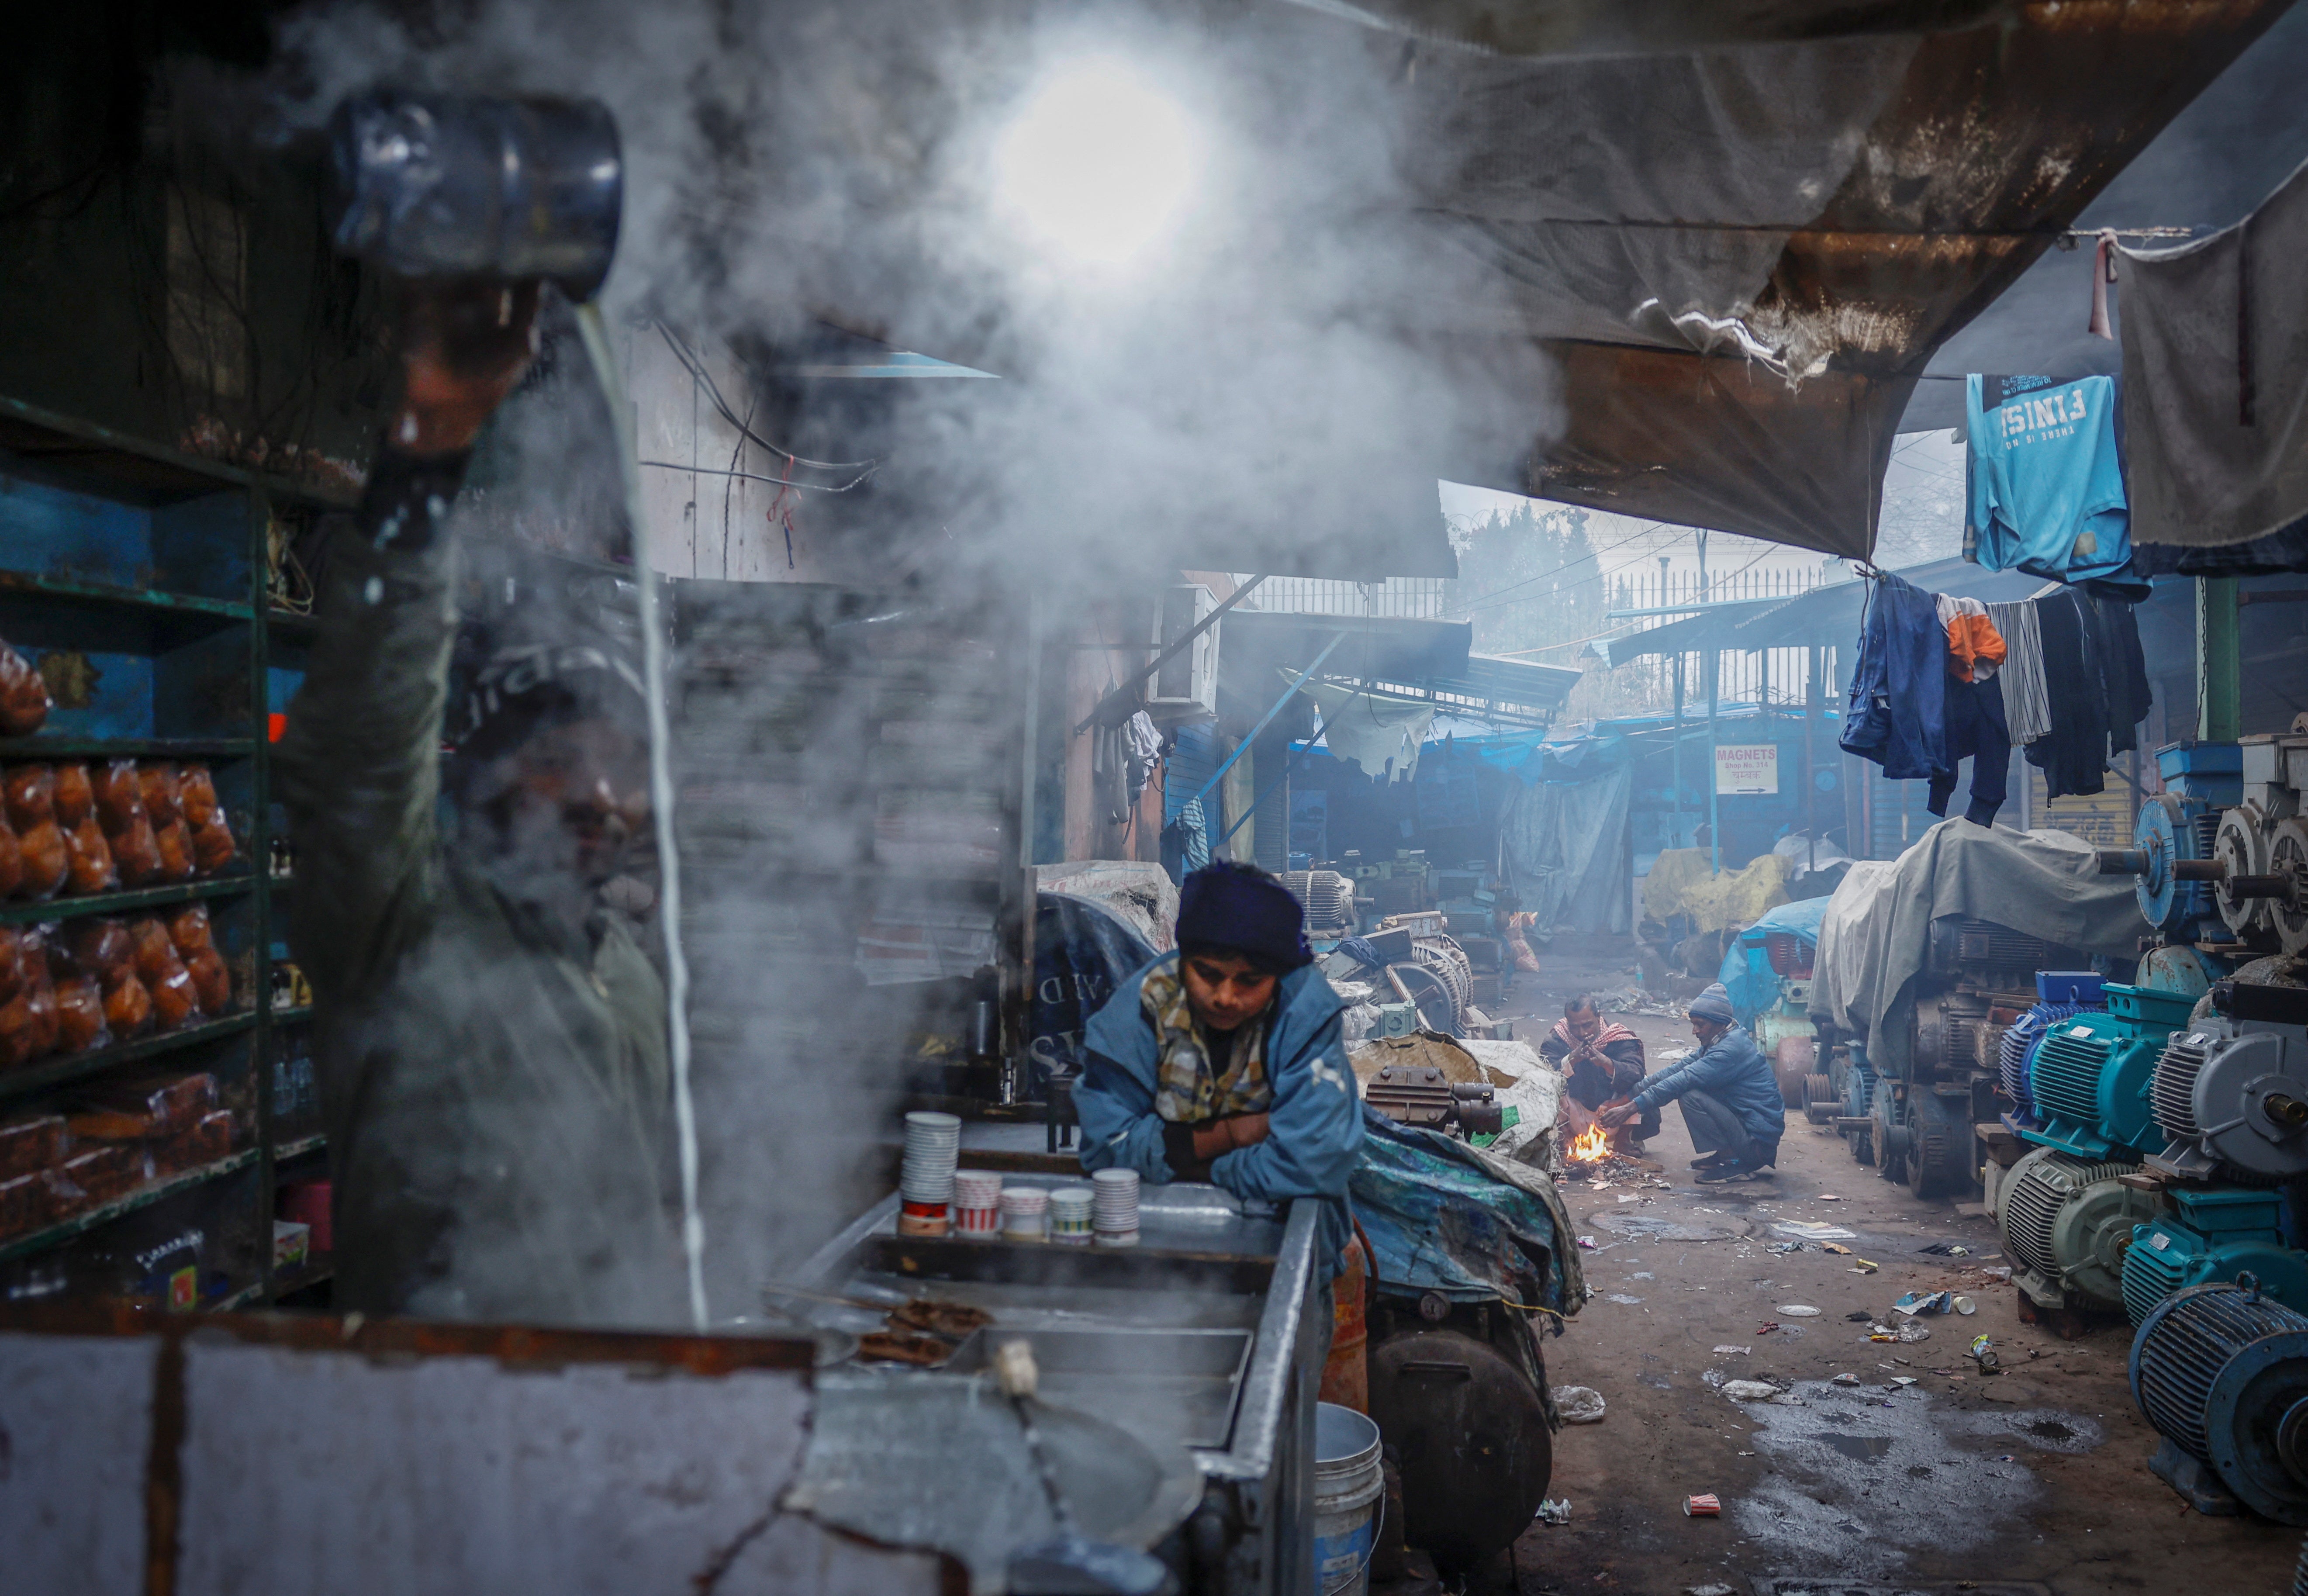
x=1876 y=934
x=2216 y=379
x=1561 y=840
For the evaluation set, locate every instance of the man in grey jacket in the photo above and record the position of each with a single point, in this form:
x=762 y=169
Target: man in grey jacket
x=1730 y=1099
x=490 y=1033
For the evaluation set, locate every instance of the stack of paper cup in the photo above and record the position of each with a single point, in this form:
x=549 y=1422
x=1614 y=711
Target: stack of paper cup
x=1025 y=1214
x=1116 y=1207
x=976 y=1202
x=933 y=1146
x=1070 y=1210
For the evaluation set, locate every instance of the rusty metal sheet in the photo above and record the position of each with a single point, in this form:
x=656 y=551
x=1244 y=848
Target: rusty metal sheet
x=75 y=1432
x=262 y=1453
x=309 y=1470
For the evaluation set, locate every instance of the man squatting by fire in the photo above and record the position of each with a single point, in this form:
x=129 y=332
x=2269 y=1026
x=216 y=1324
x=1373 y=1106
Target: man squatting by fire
x=1731 y=1101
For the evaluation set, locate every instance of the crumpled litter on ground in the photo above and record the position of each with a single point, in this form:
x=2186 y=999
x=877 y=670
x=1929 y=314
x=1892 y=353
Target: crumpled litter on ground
x=1554 y=1510
x=1748 y=1391
x=1636 y=1000
x=1579 y=1404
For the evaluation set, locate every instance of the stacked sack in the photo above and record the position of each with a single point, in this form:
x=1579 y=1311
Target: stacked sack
x=77 y=828
x=89 y=982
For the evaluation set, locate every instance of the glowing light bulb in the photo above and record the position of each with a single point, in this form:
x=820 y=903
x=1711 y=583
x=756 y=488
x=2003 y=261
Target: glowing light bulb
x=1098 y=164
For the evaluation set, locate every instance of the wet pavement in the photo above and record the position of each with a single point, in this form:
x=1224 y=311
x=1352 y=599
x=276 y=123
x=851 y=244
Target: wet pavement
x=2031 y=1480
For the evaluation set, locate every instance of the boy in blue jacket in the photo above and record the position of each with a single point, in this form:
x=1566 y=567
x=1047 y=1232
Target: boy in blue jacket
x=1223 y=1061
x=1731 y=1101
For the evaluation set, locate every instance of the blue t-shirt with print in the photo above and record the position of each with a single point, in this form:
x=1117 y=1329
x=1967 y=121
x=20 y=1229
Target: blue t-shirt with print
x=2046 y=477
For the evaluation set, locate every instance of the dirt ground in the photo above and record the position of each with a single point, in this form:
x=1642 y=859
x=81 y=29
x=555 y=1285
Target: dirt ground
x=2032 y=1480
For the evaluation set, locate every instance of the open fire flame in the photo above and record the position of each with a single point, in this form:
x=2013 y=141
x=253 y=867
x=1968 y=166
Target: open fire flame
x=1590 y=1146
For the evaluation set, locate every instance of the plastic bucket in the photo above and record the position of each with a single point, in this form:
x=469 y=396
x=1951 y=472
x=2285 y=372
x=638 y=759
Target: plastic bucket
x=1349 y=1482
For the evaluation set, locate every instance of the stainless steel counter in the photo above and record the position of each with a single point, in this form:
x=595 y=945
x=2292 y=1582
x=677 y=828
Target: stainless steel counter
x=1133 y=1338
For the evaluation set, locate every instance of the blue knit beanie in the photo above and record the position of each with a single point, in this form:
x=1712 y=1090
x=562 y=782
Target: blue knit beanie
x=1243 y=909
x=1714 y=1004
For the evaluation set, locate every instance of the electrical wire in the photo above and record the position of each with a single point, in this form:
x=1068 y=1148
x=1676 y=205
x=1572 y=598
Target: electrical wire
x=697 y=367
x=1594 y=554
x=595 y=333
x=706 y=470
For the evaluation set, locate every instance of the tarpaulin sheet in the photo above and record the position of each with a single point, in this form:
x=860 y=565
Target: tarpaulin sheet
x=1681 y=882
x=2215 y=391
x=1141 y=894
x=1564 y=843
x=1747 y=974
x=1739 y=293
x=1082 y=951
x=1443 y=1216
x=1876 y=935
x=1847 y=933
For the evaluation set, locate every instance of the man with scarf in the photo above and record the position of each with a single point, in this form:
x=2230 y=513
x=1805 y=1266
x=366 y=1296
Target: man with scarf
x=1222 y=1061
x=1601 y=1060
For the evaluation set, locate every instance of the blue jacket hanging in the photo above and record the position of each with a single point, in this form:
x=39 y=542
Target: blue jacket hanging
x=2045 y=477
x=1897 y=710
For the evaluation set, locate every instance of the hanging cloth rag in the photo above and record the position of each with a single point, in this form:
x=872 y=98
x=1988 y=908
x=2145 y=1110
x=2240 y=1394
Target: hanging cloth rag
x=2045 y=477
x=1896 y=711
x=2026 y=709
x=1975 y=731
x=1975 y=647
x=2114 y=633
x=2073 y=755
x=2216 y=393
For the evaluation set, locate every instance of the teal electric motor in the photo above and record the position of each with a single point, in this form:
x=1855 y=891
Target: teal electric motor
x=2092 y=1071
x=2213 y=1233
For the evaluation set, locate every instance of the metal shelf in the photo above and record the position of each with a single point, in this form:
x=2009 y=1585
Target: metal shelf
x=58 y=1072
x=67 y=908
x=85 y=449
x=298 y=1148
x=302 y=1279
x=42 y=747
x=34 y=585
x=144 y=1196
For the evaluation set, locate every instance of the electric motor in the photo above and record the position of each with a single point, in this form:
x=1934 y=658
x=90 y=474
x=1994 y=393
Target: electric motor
x=1327 y=898
x=2066 y=1222
x=2233 y=1093
x=2213 y=1233
x=2221 y=1371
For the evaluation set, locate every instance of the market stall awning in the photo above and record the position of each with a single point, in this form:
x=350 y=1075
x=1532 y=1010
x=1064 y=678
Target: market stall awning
x=1742 y=260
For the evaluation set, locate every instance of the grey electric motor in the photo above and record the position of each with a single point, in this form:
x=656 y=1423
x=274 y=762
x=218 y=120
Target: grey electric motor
x=2232 y=1093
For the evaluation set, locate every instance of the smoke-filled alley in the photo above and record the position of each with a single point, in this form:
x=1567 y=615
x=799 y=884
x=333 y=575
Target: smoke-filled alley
x=1260 y=797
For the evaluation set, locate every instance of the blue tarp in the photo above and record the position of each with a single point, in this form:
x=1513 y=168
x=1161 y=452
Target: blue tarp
x=1747 y=974
x=1443 y=1217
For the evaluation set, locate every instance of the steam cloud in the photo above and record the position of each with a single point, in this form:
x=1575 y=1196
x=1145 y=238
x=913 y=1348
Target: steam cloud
x=1300 y=337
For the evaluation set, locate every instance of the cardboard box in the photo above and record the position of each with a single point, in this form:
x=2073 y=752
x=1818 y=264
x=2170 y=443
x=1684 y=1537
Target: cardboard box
x=291 y=1245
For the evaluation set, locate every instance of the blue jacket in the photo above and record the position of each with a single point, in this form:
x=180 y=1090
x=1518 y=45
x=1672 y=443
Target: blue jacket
x=1896 y=712
x=1734 y=1072
x=1314 y=1130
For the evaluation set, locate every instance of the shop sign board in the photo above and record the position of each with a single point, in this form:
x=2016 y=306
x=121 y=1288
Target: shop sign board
x=1747 y=770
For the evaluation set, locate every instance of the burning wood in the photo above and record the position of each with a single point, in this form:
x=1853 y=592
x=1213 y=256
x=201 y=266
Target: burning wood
x=1589 y=1146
